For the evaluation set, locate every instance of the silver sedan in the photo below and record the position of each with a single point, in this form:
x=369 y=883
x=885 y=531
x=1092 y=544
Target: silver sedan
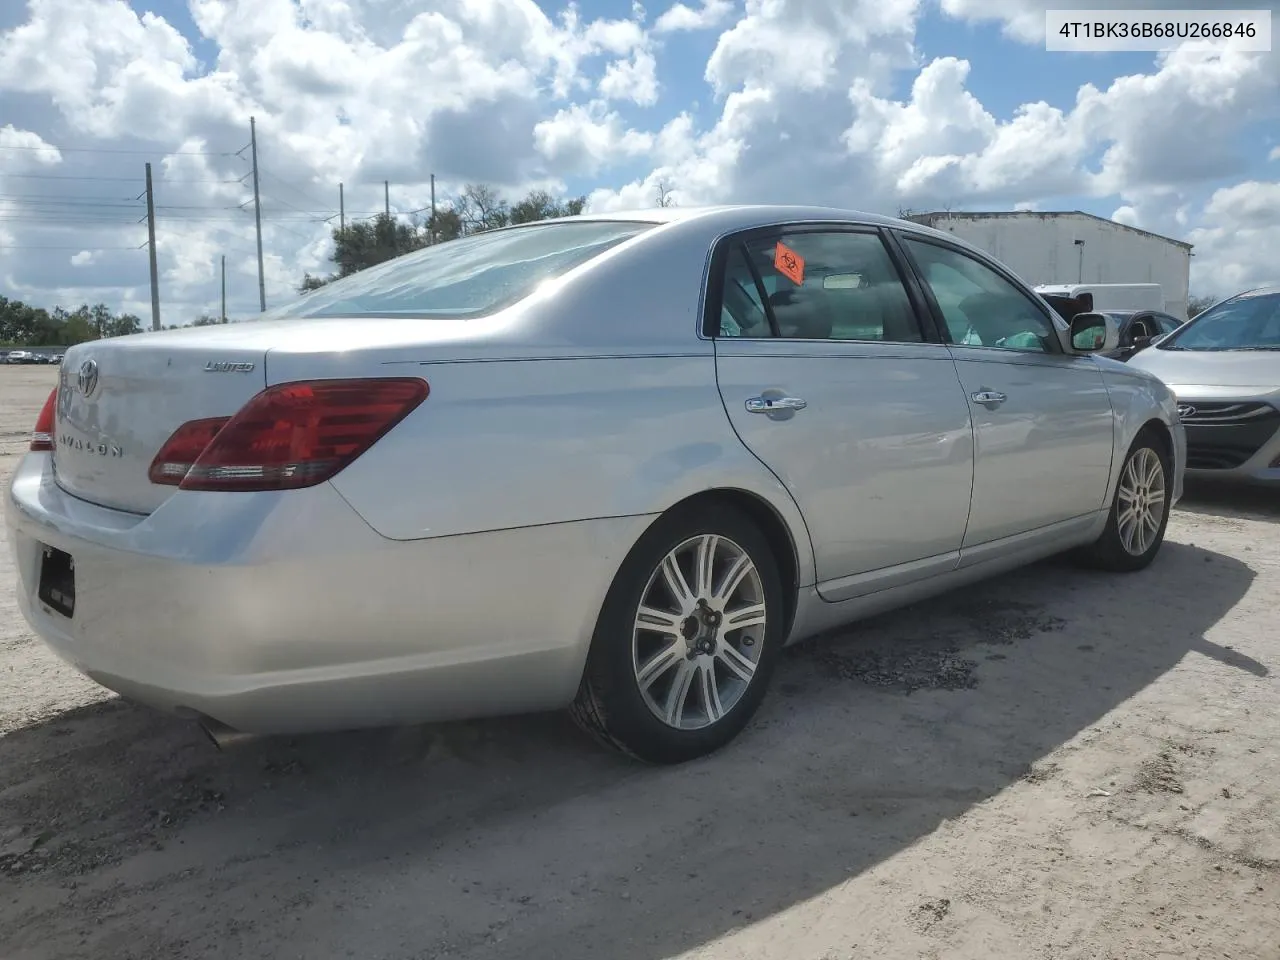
x=611 y=463
x=1224 y=367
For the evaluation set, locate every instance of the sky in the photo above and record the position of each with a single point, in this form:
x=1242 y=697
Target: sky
x=876 y=105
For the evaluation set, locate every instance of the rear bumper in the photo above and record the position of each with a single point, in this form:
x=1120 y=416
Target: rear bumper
x=286 y=612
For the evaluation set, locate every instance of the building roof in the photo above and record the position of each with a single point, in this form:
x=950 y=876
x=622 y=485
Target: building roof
x=931 y=219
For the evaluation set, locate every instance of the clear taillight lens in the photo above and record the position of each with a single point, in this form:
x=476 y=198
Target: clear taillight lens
x=42 y=436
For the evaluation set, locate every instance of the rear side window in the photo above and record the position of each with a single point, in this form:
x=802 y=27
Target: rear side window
x=816 y=286
x=471 y=277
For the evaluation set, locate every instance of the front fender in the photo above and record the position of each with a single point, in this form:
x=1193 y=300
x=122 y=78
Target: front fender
x=1138 y=398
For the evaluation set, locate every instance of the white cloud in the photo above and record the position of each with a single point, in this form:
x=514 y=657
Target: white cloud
x=583 y=139
x=83 y=258
x=24 y=148
x=635 y=79
x=680 y=17
x=1237 y=240
x=1275 y=154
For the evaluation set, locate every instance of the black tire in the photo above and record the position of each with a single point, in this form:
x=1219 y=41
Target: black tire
x=610 y=705
x=1108 y=552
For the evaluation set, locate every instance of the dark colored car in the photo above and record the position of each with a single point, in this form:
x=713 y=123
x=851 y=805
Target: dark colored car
x=1138 y=328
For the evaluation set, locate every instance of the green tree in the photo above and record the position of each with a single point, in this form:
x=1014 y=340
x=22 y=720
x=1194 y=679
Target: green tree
x=76 y=328
x=540 y=205
x=481 y=207
x=368 y=242
x=310 y=283
x=1197 y=305
x=101 y=317
x=123 y=325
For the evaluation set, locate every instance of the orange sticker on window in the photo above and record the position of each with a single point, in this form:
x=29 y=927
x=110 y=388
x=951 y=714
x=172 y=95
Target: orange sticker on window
x=789 y=263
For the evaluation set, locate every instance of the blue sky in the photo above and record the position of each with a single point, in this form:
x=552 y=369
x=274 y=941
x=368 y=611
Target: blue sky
x=793 y=100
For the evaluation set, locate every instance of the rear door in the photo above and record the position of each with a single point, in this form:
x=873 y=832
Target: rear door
x=1043 y=422
x=829 y=378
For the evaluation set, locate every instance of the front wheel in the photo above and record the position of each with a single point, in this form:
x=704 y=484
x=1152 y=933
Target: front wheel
x=1140 y=511
x=686 y=640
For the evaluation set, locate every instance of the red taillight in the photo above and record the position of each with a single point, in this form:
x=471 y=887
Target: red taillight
x=289 y=436
x=42 y=436
x=183 y=449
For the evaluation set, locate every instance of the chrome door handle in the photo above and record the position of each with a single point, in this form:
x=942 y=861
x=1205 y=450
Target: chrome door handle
x=774 y=404
x=988 y=396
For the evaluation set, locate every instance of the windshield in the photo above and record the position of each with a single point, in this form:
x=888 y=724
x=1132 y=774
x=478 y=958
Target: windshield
x=1247 y=322
x=470 y=277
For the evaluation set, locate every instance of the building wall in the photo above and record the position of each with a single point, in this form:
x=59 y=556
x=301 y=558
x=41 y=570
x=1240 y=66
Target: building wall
x=1040 y=248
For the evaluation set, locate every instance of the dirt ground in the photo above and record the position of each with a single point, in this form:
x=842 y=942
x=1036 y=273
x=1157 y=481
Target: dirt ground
x=1055 y=765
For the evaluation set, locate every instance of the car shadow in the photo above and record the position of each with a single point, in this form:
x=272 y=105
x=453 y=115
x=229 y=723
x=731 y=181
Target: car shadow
x=1233 y=502
x=519 y=837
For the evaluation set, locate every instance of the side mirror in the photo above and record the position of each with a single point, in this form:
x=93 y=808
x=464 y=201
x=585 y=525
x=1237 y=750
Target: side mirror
x=1094 y=333
x=1141 y=343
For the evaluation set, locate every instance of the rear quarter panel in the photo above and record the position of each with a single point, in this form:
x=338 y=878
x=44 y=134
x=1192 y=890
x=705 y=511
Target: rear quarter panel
x=518 y=443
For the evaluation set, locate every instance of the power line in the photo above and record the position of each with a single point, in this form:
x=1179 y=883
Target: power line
x=150 y=153
x=300 y=192
x=82 y=246
x=63 y=176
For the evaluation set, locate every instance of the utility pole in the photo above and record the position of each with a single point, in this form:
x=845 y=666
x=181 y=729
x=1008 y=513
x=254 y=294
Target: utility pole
x=342 y=211
x=386 y=197
x=431 y=231
x=151 y=252
x=257 y=213
x=224 y=288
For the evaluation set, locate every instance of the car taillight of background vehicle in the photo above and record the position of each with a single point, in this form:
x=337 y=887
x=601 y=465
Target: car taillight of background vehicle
x=289 y=436
x=42 y=438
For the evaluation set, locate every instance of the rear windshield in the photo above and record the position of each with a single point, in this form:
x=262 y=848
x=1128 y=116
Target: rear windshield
x=470 y=277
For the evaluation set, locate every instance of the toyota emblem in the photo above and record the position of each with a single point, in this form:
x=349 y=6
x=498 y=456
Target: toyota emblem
x=87 y=380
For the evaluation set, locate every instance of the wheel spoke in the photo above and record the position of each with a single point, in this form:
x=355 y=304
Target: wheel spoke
x=733 y=578
x=1139 y=535
x=1151 y=519
x=738 y=663
x=1154 y=470
x=1126 y=532
x=676 y=582
x=704 y=565
x=743 y=617
x=659 y=621
x=660 y=663
x=679 y=692
x=710 y=691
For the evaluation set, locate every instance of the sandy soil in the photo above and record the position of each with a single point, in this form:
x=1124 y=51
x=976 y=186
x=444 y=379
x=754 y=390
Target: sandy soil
x=1059 y=764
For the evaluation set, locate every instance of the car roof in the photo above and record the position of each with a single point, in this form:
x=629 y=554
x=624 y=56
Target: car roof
x=727 y=218
x=1265 y=289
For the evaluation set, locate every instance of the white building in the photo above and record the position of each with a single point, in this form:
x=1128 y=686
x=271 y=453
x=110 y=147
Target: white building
x=1044 y=248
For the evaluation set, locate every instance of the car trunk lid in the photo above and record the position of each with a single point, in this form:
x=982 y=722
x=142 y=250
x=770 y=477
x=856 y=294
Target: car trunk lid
x=120 y=399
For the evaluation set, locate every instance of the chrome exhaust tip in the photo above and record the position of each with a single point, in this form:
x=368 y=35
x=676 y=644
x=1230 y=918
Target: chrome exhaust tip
x=222 y=736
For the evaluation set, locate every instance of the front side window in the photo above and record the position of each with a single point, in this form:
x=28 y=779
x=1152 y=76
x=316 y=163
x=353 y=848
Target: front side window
x=816 y=286
x=1247 y=322
x=980 y=307
x=470 y=277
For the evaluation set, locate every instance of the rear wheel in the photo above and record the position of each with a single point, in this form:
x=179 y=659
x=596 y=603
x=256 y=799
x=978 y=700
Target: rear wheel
x=1140 y=511
x=686 y=640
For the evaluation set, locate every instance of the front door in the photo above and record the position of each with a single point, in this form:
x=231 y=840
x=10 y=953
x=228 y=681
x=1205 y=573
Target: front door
x=1043 y=423
x=828 y=378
